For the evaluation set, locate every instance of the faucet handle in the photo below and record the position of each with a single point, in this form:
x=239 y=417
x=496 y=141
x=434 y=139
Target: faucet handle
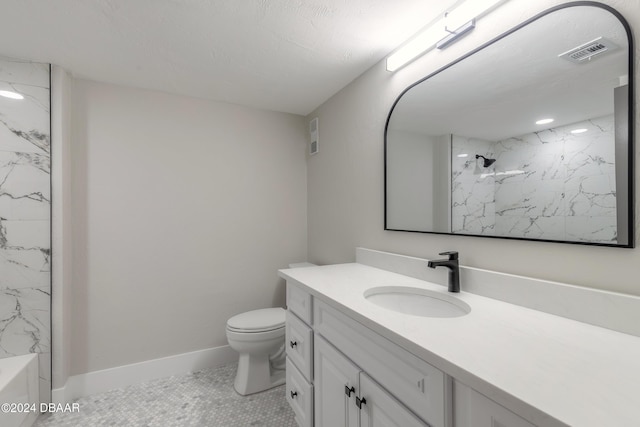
x=453 y=255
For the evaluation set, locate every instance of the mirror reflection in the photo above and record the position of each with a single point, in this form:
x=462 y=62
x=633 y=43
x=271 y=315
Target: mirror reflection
x=525 y=138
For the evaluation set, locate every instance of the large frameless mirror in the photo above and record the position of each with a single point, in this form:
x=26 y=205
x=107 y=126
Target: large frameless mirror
x=527 y=137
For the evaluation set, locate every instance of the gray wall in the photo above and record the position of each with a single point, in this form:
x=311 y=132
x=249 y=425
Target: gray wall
x=345 y=179
x=183 y=210
x=62 y=225
x=410 y=181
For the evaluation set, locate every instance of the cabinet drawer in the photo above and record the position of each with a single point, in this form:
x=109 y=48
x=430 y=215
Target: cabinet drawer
x=299 y=395
x=420 y=386
x=300 y=303
x=299 y=343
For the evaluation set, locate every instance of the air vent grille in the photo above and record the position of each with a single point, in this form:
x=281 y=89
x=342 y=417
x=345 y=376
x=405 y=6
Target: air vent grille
x=313 y=133
x=585 y=52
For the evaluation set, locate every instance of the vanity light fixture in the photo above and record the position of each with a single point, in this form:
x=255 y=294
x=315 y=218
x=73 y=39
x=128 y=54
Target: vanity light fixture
x=455 y=35
x=421 y=43
x=581 y=130
x=544 y=121
x=9 y=94
x=440 y=34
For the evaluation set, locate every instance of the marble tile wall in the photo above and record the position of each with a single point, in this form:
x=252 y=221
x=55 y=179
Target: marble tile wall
x=25 y=242
x=472 y=189
x=552 y=184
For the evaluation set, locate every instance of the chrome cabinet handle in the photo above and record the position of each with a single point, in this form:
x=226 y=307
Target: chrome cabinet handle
x=360 y=402
x=293 y=343
x=294 y=394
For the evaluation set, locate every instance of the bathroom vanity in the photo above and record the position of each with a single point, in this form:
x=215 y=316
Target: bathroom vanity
x=353 y=362
x=382 y=342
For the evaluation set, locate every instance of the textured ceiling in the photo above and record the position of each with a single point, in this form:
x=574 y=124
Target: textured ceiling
x=283 y=55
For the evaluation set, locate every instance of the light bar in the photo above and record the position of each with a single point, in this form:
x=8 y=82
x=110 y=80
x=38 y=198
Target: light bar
x=462 y=18
x=416 y=46
x=455 y=35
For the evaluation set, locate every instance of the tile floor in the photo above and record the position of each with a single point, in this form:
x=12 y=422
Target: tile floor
x=201 y=399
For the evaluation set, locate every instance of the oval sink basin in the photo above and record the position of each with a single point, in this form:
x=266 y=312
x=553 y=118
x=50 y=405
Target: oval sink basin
x=416 y=301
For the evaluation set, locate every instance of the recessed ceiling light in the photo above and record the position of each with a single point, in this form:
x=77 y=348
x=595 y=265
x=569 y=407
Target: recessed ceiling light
x=9 y=94
x=582 y=130
x=544 y=121
x=463 y=155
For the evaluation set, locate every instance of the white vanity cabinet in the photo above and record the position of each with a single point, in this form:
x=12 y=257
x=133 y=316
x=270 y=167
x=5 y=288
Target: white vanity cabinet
x=348 y=397
x=499 y=365
x=338 y=384
x=299 y=342
x=299 y=395
x=473 y=409
x=350 y=360
x=299 y=349
x=341 y=373
x=381 y=409
x=420 y=387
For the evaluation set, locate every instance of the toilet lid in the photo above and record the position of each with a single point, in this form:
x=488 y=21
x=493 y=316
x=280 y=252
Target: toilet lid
x=265 y=319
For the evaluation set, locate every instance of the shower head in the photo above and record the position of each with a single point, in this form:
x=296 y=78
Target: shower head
x=486 y=162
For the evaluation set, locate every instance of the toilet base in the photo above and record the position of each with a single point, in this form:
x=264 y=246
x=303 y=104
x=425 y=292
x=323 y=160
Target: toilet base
x=254 y=374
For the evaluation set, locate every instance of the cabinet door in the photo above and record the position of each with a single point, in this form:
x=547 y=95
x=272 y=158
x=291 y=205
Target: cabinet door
x=336 y=384
x=419 y=386
x=473 y=409
x=380 y=409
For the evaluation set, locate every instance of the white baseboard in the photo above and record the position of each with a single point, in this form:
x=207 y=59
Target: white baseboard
x=108 y=379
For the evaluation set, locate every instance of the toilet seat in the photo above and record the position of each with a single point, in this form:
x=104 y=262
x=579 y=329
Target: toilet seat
x=255 y=331
x=256 y=321
x=254 y=337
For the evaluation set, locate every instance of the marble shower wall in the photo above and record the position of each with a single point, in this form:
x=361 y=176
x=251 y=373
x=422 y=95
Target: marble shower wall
x=25 y=242
x=552 y=184
x=472 y=189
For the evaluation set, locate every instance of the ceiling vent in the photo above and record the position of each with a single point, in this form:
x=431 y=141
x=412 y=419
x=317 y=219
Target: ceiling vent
x=583 y=53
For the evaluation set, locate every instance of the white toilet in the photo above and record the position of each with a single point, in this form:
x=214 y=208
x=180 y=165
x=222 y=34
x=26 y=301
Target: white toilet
x=258 y=336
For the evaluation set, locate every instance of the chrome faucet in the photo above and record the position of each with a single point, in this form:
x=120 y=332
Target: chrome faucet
x=454 y=270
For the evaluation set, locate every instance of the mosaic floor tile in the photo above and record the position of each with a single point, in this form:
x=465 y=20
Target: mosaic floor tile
x=202 y=399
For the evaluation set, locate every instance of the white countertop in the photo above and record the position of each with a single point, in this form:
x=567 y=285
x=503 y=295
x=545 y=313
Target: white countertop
x=550 y=370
